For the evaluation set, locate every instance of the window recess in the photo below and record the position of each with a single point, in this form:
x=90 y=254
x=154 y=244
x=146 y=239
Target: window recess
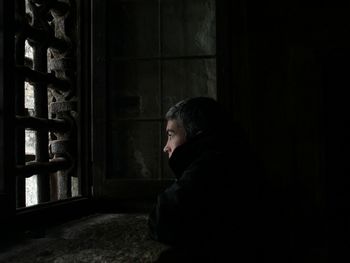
x=46 y=102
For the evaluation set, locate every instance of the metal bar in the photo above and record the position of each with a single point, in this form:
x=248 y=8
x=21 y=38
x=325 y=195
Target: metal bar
x=42 y=124
x=19 y=106
x=41 y=111
x=42 y=37
x=33 y=76
x=28 y=62
x=30 y=157
x=83 y=81
x=43 y=168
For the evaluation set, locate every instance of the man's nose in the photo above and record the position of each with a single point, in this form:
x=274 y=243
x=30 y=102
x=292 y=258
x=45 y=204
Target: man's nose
x=166 y=148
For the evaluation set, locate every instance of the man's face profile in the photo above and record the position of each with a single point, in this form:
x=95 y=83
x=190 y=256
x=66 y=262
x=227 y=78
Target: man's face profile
x=176 y=136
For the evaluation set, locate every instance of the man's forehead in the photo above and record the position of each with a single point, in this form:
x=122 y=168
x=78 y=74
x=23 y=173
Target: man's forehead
x=172 y=125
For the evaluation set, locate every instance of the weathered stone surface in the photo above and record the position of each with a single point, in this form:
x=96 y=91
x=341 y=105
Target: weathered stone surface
x=97 y=238
x=134 y=90
x=188 y=78
x=135 y=149
x=188 y=27
x=135 y=28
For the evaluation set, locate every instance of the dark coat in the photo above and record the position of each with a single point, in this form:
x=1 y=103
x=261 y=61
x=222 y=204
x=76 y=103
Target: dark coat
x=212 y=204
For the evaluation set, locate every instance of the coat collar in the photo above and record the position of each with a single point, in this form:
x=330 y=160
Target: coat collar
x=188 y=152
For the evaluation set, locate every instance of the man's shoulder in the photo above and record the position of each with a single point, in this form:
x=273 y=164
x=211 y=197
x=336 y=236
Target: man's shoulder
x=208 y=164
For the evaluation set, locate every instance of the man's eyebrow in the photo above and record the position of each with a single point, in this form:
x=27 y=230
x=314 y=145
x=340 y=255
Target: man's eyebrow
x=170 y=130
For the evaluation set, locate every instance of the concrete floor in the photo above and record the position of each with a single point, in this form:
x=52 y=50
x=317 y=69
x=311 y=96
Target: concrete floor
x=96 y=238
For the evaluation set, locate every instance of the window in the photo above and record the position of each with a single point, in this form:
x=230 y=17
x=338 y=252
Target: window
x=47 y=96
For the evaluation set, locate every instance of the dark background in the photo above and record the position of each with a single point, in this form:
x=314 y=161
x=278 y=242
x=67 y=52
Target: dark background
x=281 y=68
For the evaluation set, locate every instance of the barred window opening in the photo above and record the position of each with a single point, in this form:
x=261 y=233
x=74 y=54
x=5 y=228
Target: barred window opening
x=45 y=101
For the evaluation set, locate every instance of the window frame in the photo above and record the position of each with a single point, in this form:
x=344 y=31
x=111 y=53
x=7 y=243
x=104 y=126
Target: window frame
x=7 y=197
x=17 y=219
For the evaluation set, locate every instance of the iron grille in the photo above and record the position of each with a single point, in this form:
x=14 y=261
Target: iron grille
x=49 y=28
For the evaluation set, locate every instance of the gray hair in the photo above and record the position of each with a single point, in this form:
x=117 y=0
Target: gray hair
x=196 y=115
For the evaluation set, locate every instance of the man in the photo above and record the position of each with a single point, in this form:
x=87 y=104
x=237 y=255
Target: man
x=207 y=212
